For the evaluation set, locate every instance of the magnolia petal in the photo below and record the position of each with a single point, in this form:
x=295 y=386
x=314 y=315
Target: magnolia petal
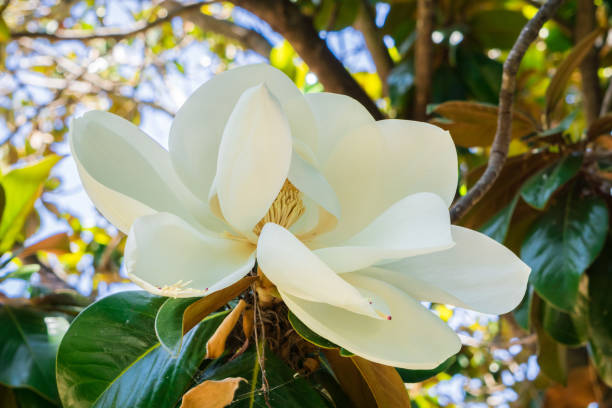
x=125 y=172
x=478 y=273
x=295 y=270
x=355 y=172
x=197 y=129
x=168 y=257
x=336 y=115
x=414 y=338
x=313 y=184
x=418 y=157
x=254 y=159
x=417 y=224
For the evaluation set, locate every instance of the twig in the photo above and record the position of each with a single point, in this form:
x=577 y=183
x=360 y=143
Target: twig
x=499 y=149
x=4 y=5
x=591 y=90
x=423 y=54
x=246 y=37
x=286 y=18
x=607 y=100
x=374 y=42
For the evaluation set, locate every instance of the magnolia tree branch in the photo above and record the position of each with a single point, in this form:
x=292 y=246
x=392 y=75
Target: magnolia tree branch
x=591 y=90
x=373 y=39
x=499 y=149
x=287 y=19
x=247 y=38
x=423 y=55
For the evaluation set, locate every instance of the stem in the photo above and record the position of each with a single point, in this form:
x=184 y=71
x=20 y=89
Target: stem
x=591 y=91
x=499 y=149
x=423 y=55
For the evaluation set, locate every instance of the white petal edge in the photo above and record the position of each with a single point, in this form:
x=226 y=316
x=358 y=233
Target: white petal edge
x=294 y=269
x=414 y=338
x=198 y=126
x=417 y=224
x=336 y=115
x=162 y=251
x=478 y=273
x=418 y=157
x=254 y=159
x=125 y=172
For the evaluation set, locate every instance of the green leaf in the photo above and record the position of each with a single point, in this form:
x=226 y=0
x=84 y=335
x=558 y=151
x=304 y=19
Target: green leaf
x=28 y=345
x=497 y=28
x=169 y=323
x=29 y=399
x=22 y=187
x=557 y=85
x=562 y=244
x=286 y=388
x=5 y=32
x=497 y=227
x=600 y=312
x=415 y=376
x=522 y=313
x=566 y=328
x=177 y=316
x=111 y=356
x=552 y=356
x=538 y=189
x=308 y=335
x=24 y=272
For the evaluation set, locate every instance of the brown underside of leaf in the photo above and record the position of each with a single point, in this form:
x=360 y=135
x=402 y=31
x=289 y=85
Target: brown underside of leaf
x=212 y=394
x=208 y=304
x=578 y=393
x=57 y=244
x=516 y=171
x=216 y=344
x=369 y=384
x=474 y=124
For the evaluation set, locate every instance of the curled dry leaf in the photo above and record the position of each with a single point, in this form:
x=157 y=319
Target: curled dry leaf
x=247 y=322
x=212 y=394
x=216 y=345
x=474 y=124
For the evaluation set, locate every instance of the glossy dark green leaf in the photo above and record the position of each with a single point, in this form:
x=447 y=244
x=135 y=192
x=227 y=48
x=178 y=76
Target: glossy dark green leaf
x=600 y=314
x=538 y=189
x=286 y=388
x=522 y=313
x=566 y=328
x=562 y=244
x=552 y=356
x=497 y=227
x=28 y=344
x=415 y=376
x=29 y=399
x=177 y=316
x=112 y=357
x=480 y=74
x=307 y=334
x=169 y=323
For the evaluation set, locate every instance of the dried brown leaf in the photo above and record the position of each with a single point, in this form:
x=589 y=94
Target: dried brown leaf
x=474 y=124
x=216 y=344
x=212 y=394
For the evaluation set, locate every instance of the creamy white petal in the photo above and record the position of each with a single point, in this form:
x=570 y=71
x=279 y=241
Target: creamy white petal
x=306 y=178
x=418 y=157
x=254 y=159
x=125 y=172
x=294 y=269
x=336 y=115
x=167 y=256
x=198 y=126
x=417 y=224
x=414 y=338
x=355 y=171
x=477 y=273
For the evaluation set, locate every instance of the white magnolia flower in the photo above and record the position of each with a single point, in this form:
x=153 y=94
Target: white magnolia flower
x=347 y=216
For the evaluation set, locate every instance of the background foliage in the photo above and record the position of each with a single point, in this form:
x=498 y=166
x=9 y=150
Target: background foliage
x=140 y=59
